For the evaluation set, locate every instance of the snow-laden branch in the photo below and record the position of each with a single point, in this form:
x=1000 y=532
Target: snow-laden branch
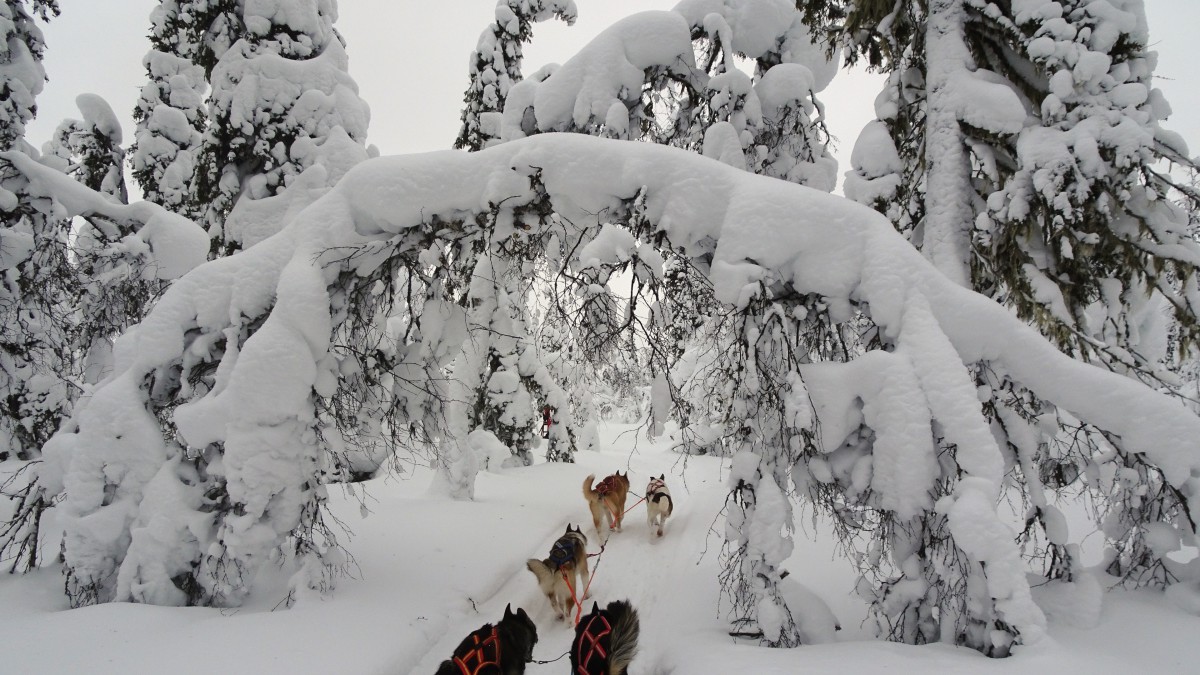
x=121 y=512
x=176 y=243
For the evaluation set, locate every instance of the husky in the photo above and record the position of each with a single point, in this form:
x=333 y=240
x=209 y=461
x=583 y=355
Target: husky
x=658 y=504
x=564 y=574
x=503 y=649
x=605 y=640
x=607 y=500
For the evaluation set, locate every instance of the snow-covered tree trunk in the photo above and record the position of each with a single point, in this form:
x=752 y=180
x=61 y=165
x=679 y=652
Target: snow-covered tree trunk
x=949 y=214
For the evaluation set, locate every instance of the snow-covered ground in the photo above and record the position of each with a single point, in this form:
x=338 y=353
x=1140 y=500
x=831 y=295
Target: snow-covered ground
x=429 y=570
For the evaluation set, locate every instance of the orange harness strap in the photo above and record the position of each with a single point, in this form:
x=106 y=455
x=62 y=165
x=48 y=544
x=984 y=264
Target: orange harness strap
x=479 y=654
x=594 y=639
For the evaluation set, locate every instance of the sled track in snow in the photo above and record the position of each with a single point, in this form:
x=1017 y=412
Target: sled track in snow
x=635 y=565
x=518 y=588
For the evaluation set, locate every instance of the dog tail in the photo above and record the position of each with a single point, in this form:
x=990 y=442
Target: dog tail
x=588 y=492
x=625 y=629
x=540 y=570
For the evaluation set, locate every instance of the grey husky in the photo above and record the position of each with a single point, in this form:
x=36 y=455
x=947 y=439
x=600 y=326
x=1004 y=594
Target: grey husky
x=564 y=574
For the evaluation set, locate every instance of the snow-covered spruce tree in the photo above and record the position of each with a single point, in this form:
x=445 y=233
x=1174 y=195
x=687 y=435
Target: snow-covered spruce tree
x=186 y=40
x=112 y=287
x=205 y=486
x=502 y=349
x=777 y=121
x=157 y=244
x=33 y=256
x=495 y=67
x=90 y=149
x=200 y=481
x=1071 y=220
x=21 y=72
x=95 y=267
x=1088 y=203
x=496 y=64
x=574 y=418
x=504 y=378
x=277 y=94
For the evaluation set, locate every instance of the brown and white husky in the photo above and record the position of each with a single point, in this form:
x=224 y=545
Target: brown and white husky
x=564 y=573
x=658 y=504
x=607 y=500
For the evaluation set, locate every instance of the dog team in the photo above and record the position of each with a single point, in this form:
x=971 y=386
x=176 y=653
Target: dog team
x=605 y=639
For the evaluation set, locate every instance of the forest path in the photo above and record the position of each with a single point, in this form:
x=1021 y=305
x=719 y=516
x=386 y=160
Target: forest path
x=651 y=572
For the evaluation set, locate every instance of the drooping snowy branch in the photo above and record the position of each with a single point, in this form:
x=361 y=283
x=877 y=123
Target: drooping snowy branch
x=270 y=307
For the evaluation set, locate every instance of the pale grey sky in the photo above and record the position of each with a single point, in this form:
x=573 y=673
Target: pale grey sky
x=409 y=58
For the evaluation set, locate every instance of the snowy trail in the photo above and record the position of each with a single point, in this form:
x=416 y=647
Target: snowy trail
x=651 y=572
x=429 y=570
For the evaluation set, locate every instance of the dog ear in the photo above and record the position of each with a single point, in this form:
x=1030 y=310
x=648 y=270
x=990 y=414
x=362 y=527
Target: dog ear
x=508 y=610
x=662 y=476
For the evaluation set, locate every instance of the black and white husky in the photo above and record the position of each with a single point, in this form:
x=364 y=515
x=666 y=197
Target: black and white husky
x=658 y=504
x=564 y=574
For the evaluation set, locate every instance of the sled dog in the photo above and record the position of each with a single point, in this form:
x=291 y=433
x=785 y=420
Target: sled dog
x=607 y=500
x=502 y=649
x=658 y=504
x=564 y=572
x=605 y=640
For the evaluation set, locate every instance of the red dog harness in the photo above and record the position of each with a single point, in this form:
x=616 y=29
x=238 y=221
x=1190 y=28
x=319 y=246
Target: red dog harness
x=593 y=643
x=607 y=485
x=655 y=486
x=480 y=653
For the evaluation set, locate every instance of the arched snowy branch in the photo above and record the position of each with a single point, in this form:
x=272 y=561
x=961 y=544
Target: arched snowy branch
x=758 y=234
